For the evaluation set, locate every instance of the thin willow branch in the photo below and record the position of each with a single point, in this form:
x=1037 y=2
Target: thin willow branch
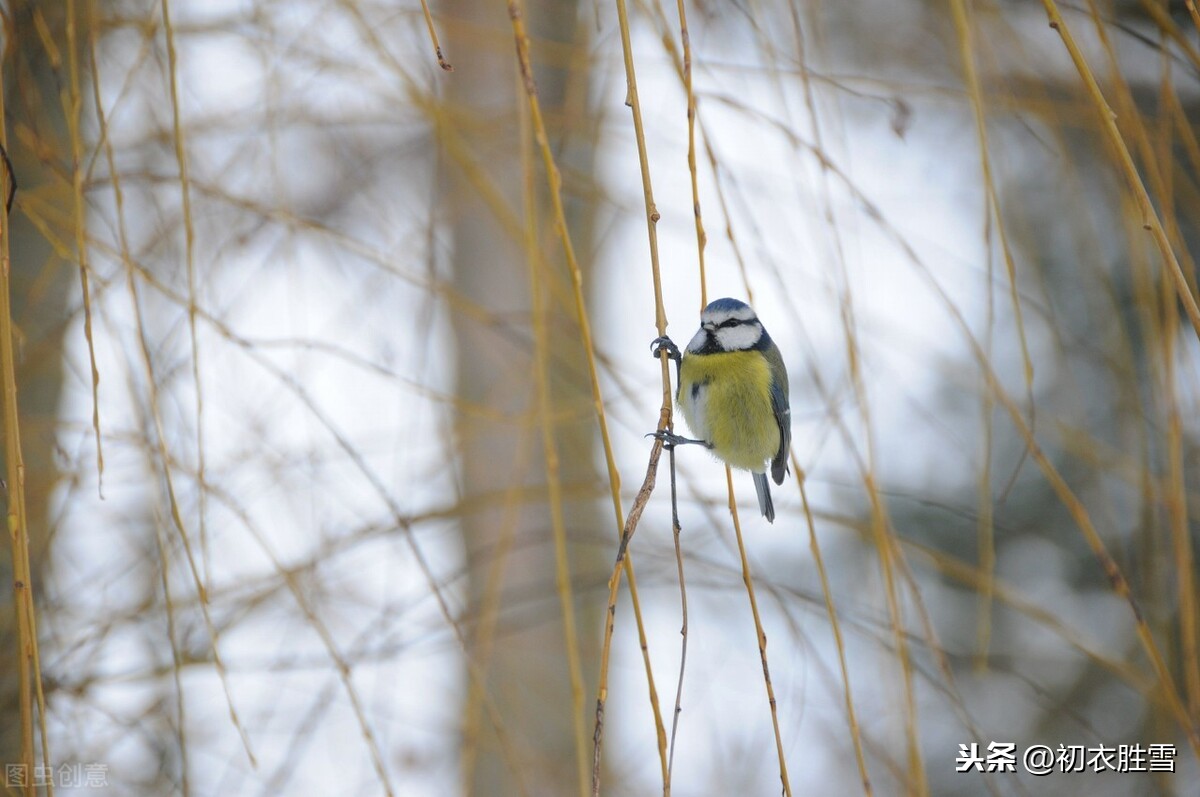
x=1150 y=219
x=760 y=635
x=29 y=676
x=683 y=629
x=72 y=109
x=554 y=179
x=437 y=47
x=614 y=582
x=836 y=626
x=545 y=410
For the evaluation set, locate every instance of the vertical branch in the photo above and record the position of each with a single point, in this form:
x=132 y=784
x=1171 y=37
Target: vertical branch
x=175 y=509
x=760 y=635
x=1175 y=494
x=614 y=581
x=962 y=26
x=29 y=677
x=177 y=660
x=131 y=284
x=72 y=108
x=483 y=635
x=836 y=626
x=554 y=180
x=1175 y=499
x=433 y=37
x=665 y=412
x=189 y=234
x=1066 y=496
x=683 y=629
x=1156 y=162
x=701 y=236
x=885 y=543
x=701 y=243
x=545 y=410
x=652 y=217
x=987 y=544
x=879 y=523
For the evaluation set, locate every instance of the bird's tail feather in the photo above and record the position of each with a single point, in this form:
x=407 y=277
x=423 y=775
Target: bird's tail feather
x=763 y=487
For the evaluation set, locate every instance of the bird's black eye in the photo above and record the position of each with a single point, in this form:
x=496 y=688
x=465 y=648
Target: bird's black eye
x=732 y=322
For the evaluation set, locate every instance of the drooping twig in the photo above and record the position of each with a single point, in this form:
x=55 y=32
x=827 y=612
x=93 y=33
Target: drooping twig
x=760 y=635
x=437 y=47
x=683 y=629
x=614 y=582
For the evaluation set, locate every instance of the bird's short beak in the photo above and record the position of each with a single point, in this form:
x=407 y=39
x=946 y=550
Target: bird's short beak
x=710 y=326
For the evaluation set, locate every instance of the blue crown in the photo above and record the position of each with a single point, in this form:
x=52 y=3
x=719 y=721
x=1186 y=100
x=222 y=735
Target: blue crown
x=727 y=304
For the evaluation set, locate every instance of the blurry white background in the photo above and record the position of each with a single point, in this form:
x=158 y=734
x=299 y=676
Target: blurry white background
x=323 y=531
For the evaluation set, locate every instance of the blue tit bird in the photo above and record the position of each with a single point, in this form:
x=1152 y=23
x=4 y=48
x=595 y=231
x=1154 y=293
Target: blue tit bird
x=733 y=392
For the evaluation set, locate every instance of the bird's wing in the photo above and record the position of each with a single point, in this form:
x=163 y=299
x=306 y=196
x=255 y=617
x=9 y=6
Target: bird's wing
x=783 y=417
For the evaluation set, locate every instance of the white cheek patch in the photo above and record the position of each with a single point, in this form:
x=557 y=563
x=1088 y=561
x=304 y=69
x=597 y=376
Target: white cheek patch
x=739 y=338
x=698 y=340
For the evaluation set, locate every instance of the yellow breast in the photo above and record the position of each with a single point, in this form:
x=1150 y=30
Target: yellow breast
x=726 y=399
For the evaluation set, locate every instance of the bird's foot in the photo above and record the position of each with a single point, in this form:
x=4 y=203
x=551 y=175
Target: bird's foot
x=671 y=440
x=659 y=345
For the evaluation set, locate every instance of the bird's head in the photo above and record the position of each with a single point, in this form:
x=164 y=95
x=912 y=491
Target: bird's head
x=727 y=325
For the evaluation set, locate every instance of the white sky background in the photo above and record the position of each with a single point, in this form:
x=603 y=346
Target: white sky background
x=300 y=497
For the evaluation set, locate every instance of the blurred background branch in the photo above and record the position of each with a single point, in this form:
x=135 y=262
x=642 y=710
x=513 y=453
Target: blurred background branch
x=354 y=526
